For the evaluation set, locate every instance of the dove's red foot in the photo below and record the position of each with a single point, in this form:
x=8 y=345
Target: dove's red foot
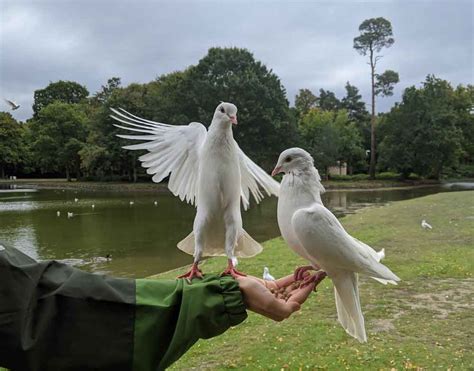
x=300 y=271
x=230 y=270
x=314 y=279
x=194 y=272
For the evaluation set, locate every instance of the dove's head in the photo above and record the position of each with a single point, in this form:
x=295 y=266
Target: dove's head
x=265 y=270
x=293 y=160
x=226 y=113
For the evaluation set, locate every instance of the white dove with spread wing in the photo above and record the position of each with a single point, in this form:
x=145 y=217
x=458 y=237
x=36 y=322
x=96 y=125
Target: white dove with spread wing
x=314 y=233
x=208 y=169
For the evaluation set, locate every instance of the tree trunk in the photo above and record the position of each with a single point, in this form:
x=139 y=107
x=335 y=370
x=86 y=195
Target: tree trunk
x=68 y=175
x=2 y=171
x=372 y=119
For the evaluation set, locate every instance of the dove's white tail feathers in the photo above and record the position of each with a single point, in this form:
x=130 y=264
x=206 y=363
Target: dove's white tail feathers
x=246 y=246
x=349 y=312
x=380 y=255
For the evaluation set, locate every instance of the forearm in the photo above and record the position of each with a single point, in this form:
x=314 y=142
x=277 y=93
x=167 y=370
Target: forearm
x=55 y=317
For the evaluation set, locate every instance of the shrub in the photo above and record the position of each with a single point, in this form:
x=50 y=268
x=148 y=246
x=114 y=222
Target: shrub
x=388 y=175
x=360 y=177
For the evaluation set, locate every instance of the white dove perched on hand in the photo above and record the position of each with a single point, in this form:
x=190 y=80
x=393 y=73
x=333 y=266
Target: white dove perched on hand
x=314 y=233
x=209 y=170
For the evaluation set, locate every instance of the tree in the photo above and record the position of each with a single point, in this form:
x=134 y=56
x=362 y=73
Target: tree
x=376 y=34
x=352 y=102
x=106 y=91
x=62 y=91
x=231 y=74
x=304 y=101
x=422 y=134
x=11 y=143
x=59 y=132
x=330 y=136
x=328 y=101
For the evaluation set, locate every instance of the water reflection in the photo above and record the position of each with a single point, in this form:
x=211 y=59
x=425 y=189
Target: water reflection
x=141 y=237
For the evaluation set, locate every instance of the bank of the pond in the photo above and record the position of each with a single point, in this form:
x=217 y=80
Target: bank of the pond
x=159 y=188
x=425 y=322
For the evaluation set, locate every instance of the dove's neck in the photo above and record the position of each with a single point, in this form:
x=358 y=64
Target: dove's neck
x=220 y=129
x=304 y=185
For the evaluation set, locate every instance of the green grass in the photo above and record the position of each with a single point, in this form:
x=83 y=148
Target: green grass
x=425 y=322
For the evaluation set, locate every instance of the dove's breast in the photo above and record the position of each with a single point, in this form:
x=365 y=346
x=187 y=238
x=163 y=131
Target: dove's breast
x=293 y=197
x=219 y=175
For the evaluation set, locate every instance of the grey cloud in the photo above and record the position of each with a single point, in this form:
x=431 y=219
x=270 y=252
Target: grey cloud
x=309 y=45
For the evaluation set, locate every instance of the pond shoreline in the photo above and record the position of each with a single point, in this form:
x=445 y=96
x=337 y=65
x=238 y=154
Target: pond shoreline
x=148 y=187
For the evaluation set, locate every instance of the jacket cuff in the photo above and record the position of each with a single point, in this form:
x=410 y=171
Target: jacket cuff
x=233 y=300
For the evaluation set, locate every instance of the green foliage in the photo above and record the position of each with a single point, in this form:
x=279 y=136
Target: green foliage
x=58 y=134
x=12 y=148
x=62 y=91
x=422 y=134
x=328 y=101
x=385 y=83
x=305 y=100
x=330 y=137
x=388 y=175
x=375 y=34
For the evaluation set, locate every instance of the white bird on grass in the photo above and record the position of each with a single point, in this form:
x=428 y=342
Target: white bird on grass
x=266 y=275
x=132 y=203
x=314 y=233
x=69 y=214
x=12 y=104
x=58 y=213
x=209 y=170
x=155 y=203
x=76 y=200
x=425 y=225
x=93 y=206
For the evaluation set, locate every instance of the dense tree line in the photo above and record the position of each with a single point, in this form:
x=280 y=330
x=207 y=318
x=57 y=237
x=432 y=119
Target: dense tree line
x=72 y=135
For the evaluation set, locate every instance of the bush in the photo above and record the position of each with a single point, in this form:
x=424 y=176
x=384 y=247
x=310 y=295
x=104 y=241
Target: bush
x=340 y=177
x=360 y=177
x=388 y=175
x=414 y=176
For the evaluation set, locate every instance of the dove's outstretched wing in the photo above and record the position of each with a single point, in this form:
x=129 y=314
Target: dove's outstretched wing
x=12 y=104
x=173 y=150
x=252 y=178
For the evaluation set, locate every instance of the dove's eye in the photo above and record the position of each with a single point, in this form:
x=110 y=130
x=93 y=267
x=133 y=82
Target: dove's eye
x=222 y=110
x=288 y=159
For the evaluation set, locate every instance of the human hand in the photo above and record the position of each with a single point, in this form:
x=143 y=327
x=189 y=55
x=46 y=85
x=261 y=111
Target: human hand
x=274 y=299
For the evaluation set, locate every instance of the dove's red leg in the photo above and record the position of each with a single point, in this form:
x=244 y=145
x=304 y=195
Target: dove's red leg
x=230 y=270
x=194 y=272
x=300 y=271
x=314 y=279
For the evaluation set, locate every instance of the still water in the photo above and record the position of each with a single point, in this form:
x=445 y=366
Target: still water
x=141 y=237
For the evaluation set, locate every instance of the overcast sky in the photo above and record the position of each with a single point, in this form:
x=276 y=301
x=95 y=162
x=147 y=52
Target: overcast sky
x=308 y=44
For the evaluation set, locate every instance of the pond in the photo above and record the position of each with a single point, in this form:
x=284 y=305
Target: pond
x=140 y=230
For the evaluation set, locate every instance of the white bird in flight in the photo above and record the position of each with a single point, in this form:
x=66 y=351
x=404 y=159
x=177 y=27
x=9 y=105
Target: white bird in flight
x=208 y=169
x=266 y=275
x=425 y=225
x=12 y=104
x=314 y=233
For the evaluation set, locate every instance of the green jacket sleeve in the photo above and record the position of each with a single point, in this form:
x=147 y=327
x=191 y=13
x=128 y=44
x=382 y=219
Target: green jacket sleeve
x=56 y=317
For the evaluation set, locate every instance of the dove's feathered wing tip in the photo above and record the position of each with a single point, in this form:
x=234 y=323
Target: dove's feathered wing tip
x=246 y=246
x=349 y=312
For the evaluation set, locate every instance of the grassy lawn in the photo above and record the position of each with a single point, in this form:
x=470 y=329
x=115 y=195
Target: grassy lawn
x=427 y=322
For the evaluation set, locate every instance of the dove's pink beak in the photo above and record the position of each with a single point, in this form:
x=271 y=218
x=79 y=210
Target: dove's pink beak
x=276 y=170
x=233 y=119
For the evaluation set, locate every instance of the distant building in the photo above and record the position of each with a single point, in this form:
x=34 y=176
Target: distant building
x=339 y=169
